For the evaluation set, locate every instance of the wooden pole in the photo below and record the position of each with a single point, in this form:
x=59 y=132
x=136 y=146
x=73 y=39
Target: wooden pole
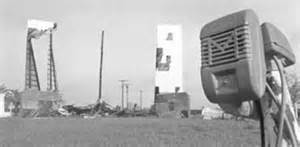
x=127 y=95
x=122 y=94
x=101 y=65
x=141 y=99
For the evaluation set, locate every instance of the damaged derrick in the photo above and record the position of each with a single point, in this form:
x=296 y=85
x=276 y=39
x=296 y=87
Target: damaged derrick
x=35 y=102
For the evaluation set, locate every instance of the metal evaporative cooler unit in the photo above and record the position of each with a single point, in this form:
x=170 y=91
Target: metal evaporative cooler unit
x=233 y=62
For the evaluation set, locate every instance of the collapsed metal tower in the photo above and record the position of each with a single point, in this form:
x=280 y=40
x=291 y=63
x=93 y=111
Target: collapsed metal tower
x=35 y=30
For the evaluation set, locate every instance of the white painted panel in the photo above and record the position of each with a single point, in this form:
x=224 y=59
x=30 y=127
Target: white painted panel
x=37 y=28
x=40 y=25
x=169 y=71
x=2 y=104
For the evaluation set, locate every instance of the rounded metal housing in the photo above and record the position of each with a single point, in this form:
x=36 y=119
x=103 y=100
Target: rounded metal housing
x=233 y=62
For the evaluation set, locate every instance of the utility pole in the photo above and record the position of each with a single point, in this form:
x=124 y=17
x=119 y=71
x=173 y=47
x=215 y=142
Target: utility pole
x=100 y=70
x=127 y=95
x=141 y=99
x=122 y=94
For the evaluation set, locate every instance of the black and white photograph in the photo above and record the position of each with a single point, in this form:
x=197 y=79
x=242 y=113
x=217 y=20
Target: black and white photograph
x=149 y=73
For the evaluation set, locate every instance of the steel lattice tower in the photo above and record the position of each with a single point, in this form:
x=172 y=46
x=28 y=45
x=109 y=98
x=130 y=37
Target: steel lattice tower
x=51 y=76
x=36 y=30
x=31 y=74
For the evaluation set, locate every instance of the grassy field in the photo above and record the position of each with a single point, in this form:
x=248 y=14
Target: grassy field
x=128 y=132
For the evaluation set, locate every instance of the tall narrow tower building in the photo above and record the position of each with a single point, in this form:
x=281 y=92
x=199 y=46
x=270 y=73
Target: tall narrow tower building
x=168 y=74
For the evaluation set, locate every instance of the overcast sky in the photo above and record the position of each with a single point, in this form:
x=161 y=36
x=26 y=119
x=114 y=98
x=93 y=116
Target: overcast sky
x=130 y=41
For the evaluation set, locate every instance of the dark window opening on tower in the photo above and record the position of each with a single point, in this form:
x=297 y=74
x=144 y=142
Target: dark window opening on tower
x=170 y=37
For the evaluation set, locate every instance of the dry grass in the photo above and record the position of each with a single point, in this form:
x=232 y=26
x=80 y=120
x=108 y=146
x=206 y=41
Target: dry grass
x=128 y=132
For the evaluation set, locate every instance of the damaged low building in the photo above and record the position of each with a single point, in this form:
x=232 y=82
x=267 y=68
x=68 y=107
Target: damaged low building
x=34 y=101
x=172 y=102
x=39 y=103
x=9 y=101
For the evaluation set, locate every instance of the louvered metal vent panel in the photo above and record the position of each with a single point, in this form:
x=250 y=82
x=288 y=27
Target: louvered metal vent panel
x=226 y=47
